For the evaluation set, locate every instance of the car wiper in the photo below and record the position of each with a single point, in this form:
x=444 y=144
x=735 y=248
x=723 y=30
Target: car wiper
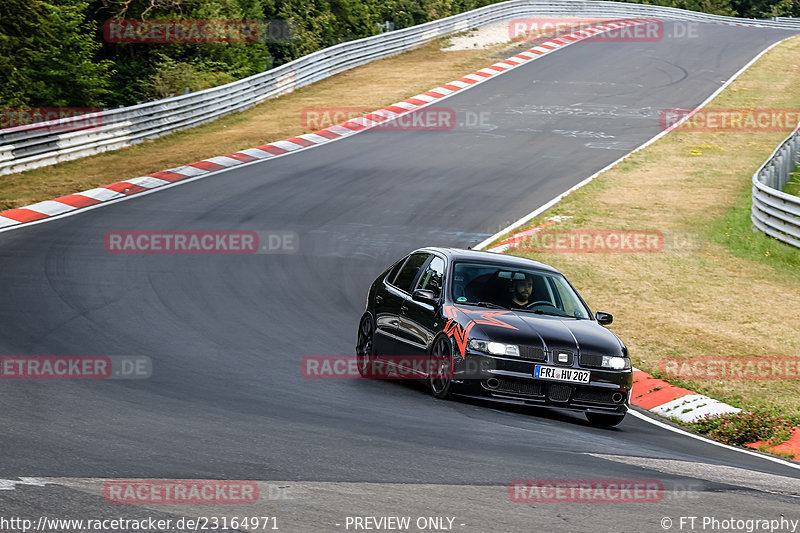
x=540 y=312
x=488 y=304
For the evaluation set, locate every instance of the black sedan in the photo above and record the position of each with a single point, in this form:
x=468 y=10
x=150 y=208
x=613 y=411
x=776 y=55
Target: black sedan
x=497 y=326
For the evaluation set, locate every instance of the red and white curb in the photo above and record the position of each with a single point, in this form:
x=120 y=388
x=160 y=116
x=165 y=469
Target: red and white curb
x=671 y=401
x=66 y=205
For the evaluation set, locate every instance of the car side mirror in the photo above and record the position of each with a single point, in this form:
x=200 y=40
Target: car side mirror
x=603 y=318
x=423 y=295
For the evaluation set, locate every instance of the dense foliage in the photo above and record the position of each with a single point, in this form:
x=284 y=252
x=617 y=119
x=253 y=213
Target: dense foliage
x=49 y=55
x=53 y=53
x=734 y=8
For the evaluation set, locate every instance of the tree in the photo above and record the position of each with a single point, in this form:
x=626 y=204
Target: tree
x=47 y=55
x=151 y=70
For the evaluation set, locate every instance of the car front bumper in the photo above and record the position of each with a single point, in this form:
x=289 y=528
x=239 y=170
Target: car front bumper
x=512 y=380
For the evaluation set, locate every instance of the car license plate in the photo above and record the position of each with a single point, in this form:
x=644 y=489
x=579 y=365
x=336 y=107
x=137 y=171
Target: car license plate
x=561 y=374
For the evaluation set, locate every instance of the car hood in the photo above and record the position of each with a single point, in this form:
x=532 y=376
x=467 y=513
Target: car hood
x=549 y=332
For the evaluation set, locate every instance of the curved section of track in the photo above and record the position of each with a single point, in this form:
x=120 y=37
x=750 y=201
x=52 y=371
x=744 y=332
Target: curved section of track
x=227 y=332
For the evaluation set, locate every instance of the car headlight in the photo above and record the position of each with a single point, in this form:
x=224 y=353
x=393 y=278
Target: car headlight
x=494 y=348
x=616 y=363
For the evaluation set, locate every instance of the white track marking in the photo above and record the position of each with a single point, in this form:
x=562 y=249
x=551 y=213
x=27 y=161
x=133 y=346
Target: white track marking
x=715 y=443
x=10 y=484
x=731 y=475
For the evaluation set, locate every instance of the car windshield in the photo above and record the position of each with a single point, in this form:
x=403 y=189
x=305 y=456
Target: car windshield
x=520 y=289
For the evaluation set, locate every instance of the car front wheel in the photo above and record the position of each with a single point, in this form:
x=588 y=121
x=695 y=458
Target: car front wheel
x=441 y=379
x=365 y=349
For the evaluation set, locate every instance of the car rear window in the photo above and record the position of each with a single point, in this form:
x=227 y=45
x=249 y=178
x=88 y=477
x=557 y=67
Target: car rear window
x=405 y=279
x=395 y=269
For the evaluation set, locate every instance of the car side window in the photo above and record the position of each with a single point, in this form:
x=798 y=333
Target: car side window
x=433 y=277
x=407 y=276
x=395 y=269
x=567 y=303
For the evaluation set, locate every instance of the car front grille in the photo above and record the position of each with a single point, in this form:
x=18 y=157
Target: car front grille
x=559 y=393
x=530 y=388
x=534 y=353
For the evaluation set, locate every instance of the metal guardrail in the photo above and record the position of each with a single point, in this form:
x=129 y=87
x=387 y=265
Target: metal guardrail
x=791 y=21
x=774 y=212
x=36 y=145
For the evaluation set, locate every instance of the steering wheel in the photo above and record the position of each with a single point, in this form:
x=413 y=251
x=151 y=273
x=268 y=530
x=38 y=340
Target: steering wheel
x=537 y=303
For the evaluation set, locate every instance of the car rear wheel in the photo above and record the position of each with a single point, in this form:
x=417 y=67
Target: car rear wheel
x=365 y=348
x=441 y=380
x=604 y=420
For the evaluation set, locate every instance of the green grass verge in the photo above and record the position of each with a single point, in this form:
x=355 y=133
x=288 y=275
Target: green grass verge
x=735 y=231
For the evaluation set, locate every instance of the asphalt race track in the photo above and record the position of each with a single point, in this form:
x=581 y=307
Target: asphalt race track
x=226 y=333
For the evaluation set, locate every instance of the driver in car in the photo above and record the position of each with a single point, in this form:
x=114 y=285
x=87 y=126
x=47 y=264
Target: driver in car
x=521 y=296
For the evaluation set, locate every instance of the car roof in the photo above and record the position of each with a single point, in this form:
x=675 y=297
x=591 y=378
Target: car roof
x=489 y=257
